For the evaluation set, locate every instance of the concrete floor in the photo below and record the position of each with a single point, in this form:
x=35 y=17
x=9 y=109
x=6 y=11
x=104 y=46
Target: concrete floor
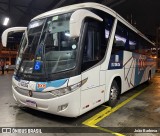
x=143 y=111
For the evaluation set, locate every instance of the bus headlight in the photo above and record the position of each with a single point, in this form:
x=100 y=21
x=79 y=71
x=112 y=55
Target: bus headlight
x=69 y=89
x=66 y=90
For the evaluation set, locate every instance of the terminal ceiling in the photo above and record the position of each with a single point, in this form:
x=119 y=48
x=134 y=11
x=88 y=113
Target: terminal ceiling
x=143 y=13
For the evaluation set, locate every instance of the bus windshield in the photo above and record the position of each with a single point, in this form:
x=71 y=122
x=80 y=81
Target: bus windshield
x=48 y=48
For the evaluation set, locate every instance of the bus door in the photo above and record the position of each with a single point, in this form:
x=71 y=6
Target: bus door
x=92 y=93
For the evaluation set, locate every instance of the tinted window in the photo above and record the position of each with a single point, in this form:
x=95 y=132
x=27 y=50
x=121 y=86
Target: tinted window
x=120 y=39
x=96 y=39
x=133 y=41
x=128 y=40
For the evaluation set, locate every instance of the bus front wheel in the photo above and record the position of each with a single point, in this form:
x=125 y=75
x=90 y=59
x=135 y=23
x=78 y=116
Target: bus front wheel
x=114 y=93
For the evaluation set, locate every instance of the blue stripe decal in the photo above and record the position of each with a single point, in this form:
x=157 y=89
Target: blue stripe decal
x=57 y=83
x=139 y=68
x=40 y=86
x=138 y=76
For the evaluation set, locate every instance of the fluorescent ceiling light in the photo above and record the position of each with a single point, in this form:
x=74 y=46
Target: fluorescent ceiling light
x=6 y=20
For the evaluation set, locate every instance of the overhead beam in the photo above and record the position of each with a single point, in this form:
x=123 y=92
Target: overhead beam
x=26 y=13
x=75 y=1
x=1 y=9
x=24 y=6
x=112 y=3
x=105 y=2
x=51 y=5
x=9 y=7
x=6 y=3
x=59 y=3
x=21 y=10
x=117 y=3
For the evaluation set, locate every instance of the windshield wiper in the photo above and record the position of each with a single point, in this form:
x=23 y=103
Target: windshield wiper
x=20 y=64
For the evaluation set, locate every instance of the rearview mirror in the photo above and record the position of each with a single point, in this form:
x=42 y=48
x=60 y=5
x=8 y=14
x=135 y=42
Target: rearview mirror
x=12 y=29
x=77 y=18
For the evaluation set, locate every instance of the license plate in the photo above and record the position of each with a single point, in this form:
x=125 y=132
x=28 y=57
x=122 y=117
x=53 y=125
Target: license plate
x=31 y=103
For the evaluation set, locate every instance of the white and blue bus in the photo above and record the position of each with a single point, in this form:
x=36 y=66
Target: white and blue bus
x=75 y=58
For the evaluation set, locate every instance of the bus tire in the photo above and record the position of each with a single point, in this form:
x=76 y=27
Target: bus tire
x=114 y=94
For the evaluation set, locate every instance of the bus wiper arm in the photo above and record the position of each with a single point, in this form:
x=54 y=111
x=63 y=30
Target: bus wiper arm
x=26 y=36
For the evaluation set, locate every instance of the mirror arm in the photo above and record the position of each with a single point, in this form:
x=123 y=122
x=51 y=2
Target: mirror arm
x=77 y=18
x=12 y=29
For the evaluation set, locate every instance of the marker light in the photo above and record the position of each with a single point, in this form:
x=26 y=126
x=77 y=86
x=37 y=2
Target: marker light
x=6 y=20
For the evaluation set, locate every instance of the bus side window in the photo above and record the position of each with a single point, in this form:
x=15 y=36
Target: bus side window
x=143 y=47
x=91 y=51
x=148 y=49
x=96 y=39
x=95 y=43
x=120 y=39
x=133 y=43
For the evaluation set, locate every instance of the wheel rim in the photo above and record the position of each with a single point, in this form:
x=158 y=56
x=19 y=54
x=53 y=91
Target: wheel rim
x=114 y=93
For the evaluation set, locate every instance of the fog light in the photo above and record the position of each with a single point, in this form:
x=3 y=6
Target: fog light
x=62 y=107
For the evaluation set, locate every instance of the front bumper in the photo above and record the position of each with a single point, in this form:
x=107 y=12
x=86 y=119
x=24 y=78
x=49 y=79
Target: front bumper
x=52 y=105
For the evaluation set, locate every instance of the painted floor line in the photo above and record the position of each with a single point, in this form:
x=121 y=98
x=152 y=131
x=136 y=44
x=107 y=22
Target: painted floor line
x=98 y=116
x=105 y=130
x=106 y=112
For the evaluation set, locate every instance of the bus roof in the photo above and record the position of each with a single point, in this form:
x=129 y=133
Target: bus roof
x=90 y=5
x=74 y=7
